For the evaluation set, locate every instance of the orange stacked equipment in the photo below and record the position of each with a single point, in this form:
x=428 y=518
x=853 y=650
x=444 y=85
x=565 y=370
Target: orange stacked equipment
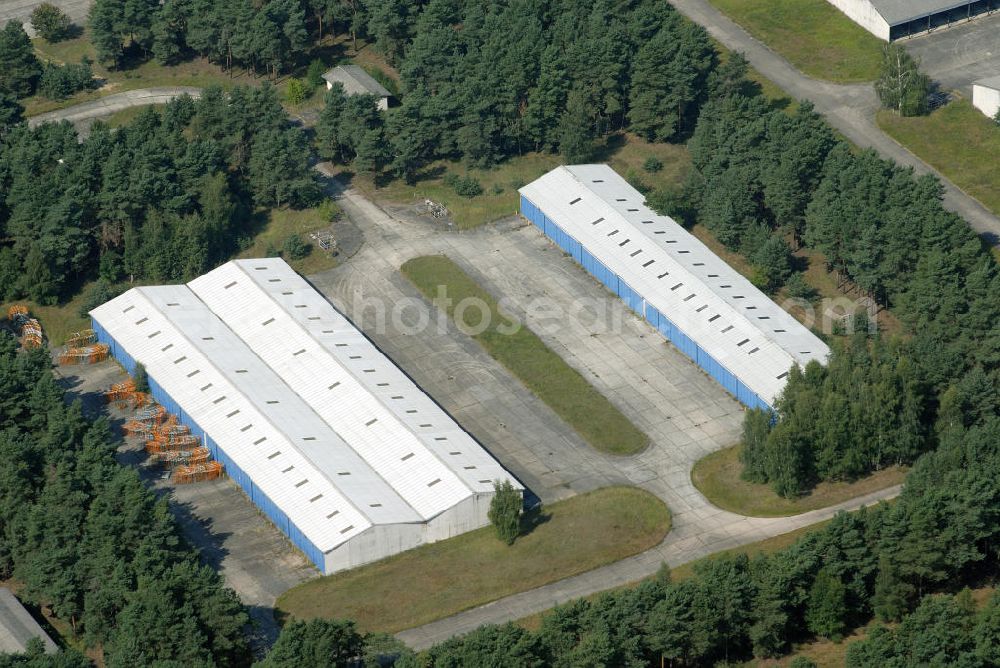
x=145 y=421
x=81 y=339
x=86 y=355
x=18 y=315
x=119 y=392
x=32 y=333
x=174 y=458
x=197 y=472
x=156 y=445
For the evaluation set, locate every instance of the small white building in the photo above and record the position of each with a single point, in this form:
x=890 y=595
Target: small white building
x=357 y=82
x=986 y=96
x=894 y=19
x=324 y=433
x=17 y=626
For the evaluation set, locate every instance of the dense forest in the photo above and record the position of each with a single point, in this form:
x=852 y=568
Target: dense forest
x=87 y=538
x=882 y=230
x=162 y=199
x=525 y=76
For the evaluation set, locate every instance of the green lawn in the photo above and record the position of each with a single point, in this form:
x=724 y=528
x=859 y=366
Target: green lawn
x=441 y=579
x=717 y=476
x=57 y=322
x=626 y=153
x=546 y=374
x=282 y=223
x=959 y=141
x=812 y=35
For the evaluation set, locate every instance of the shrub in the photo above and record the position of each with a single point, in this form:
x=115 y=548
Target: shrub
x=505 y=511
x=314 y=76
x=666 y=202
x=466 y=186
x=295 y=248
x=636 y=182
x=140 y=378
x=50 y=22
x=60 y=81
x=295 y=91
x=652 y=164
x=100 y=292
x=798 y=288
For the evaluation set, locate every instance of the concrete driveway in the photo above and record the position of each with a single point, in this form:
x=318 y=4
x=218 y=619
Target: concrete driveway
x=20 y=10
x=960 y=55
x=685 y=413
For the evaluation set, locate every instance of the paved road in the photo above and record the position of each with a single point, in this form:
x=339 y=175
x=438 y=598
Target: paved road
x=20 y=10
x=685 y=413
x=849 y=108
x=675 y=550
x=84 y=114
x=960 y=55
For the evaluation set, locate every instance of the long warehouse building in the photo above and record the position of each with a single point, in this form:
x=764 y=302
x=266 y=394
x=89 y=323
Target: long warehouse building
x=703 y=306
x=324 y=433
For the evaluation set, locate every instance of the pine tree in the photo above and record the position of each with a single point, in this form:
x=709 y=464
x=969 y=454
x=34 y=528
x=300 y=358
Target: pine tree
x=753 y=455
x=318 y=642
x=37 y=280
x=168 y=29
x=11 y=113
x=891 y=598
x=826 y=613
x=105 y=20
x=18 y=63
x=575 y=131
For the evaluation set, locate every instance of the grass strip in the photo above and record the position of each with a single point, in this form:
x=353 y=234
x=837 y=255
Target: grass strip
x=544 y=372
x=441 y=579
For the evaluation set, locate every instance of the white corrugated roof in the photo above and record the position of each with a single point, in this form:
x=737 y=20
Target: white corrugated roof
x=707 y=299
x=289 y=411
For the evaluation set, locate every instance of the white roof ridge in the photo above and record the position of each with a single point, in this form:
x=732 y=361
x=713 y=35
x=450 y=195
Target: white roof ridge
x=688 y=237
x=264 y=414
x=332 y=427
x=476 y=455
x=140 y=292
x=445 y=470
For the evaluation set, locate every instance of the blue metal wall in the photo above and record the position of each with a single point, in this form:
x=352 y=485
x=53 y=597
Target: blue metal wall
x=638 y=303
x=257 y=496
